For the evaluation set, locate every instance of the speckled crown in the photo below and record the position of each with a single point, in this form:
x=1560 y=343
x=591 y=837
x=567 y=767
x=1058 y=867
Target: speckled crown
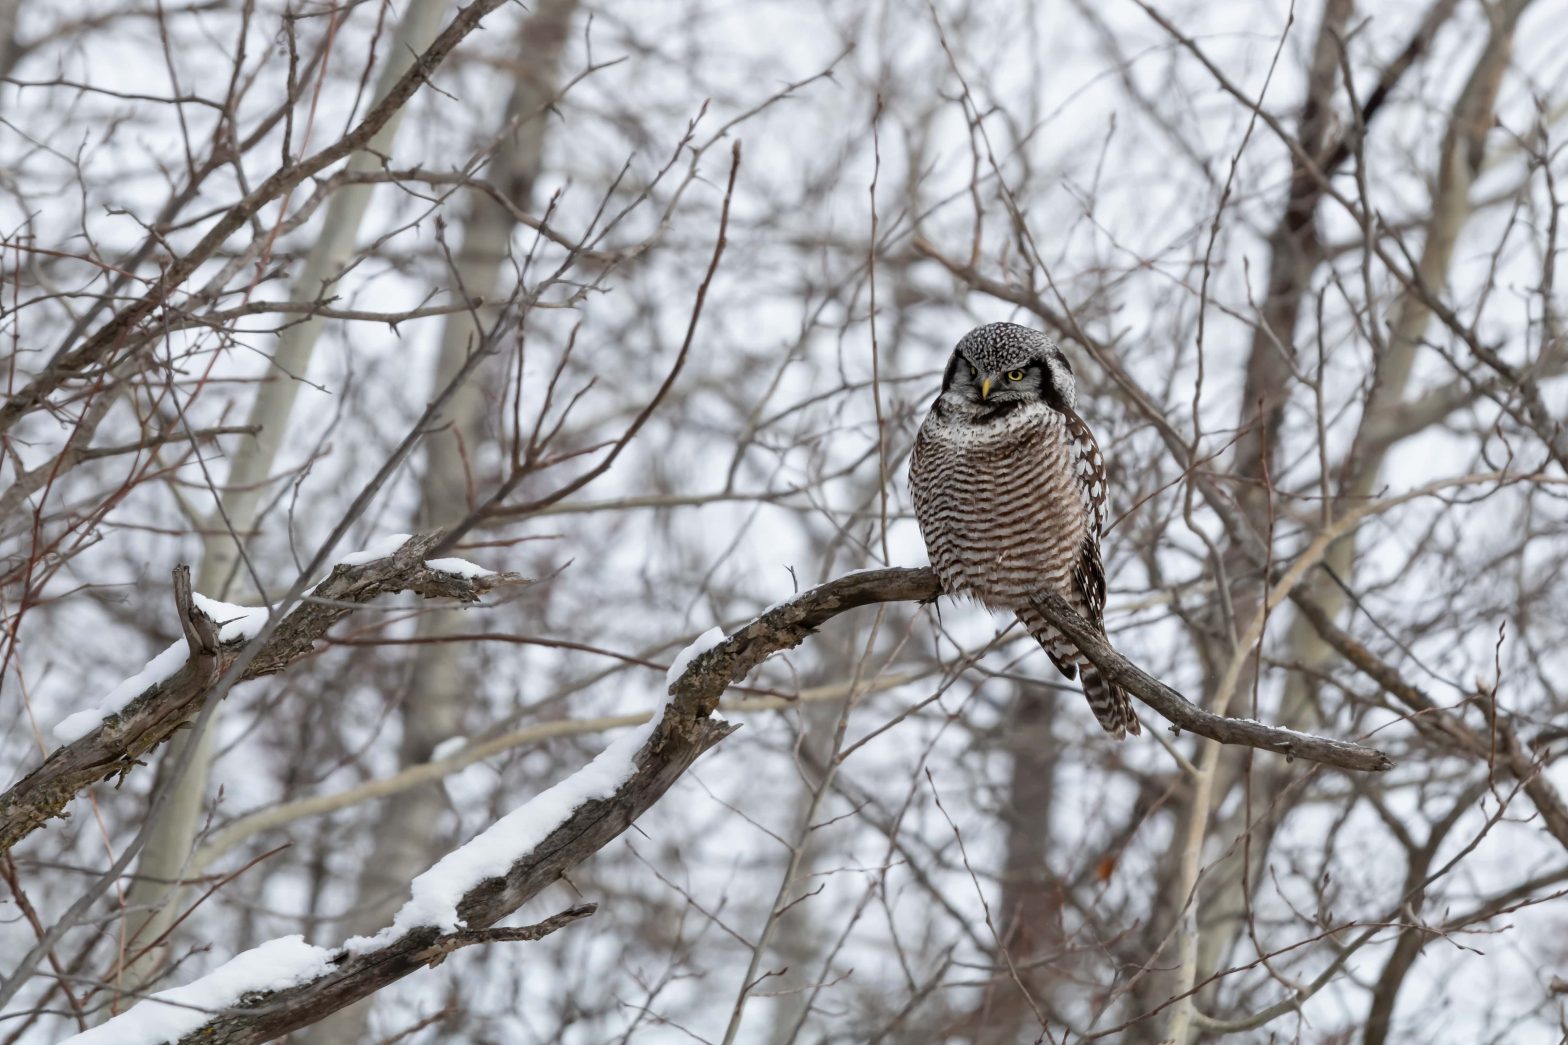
x=996 y=347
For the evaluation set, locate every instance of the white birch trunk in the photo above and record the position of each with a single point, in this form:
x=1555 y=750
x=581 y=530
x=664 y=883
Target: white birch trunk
x=409 y=838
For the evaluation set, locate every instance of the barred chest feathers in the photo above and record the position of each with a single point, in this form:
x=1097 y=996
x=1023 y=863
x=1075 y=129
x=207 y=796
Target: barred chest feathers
x=1005 y=504
x=1009 y=491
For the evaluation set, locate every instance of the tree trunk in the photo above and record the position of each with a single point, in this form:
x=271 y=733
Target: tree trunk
x=431 y=709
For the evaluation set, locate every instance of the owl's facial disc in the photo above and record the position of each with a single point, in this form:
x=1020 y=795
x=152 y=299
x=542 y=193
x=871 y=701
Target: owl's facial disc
x=1016 y=384
x=1003 y=365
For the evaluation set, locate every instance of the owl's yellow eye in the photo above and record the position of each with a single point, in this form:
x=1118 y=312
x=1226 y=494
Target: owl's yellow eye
x=1015 y=375
x=973 y=372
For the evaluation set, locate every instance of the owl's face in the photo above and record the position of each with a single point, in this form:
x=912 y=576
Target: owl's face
x=1001 y=365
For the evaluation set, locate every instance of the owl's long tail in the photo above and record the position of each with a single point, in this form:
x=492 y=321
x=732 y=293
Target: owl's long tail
x=1108 y=701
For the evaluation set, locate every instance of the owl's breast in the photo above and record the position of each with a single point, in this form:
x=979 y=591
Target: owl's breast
x=999 y=504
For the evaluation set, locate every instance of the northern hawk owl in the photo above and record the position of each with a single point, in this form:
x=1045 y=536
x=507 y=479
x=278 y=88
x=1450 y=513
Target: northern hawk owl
x=1009 y=491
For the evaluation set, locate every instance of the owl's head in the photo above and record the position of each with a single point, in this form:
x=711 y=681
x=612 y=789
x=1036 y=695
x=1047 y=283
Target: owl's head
x=1001 y=364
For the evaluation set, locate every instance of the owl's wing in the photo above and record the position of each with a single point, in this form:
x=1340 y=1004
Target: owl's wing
x=917 y=467
x=1089 y=579
x=1108 y=700
x=1088 y=575
x=1089 y=469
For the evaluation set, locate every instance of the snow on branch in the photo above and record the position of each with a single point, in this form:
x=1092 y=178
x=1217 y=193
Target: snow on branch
x=237 y=625
x=437 y=893
x=169 y=1015
x=114 y=733
x=457 y=901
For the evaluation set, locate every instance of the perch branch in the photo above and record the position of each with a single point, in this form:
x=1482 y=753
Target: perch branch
x=1184 y=714
x=686 y=729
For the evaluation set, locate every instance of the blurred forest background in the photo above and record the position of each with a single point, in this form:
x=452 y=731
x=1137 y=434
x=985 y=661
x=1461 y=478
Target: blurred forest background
x=1303 y=257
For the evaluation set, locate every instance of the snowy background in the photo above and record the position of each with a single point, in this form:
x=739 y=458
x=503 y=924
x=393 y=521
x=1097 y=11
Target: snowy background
x=1081 y=156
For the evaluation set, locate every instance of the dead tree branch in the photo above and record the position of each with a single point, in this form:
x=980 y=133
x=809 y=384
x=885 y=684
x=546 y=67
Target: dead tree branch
x=686 y=730
x=1183 y=714
x=118 y=745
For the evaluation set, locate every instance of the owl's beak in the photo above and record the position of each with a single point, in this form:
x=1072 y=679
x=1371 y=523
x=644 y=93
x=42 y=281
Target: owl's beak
x=985 y=387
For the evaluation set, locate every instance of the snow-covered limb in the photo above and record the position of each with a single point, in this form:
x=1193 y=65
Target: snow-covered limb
x=437 y=893
x=489 y=878
x=702 y=644
x=288 y=962
x=146 y=709
x=561 y=827
x=171 y=1014
x=237 y=624
x=459 y=568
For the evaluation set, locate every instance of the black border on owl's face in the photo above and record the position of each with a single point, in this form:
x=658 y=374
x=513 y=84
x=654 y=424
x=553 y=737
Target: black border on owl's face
x=1062 y=387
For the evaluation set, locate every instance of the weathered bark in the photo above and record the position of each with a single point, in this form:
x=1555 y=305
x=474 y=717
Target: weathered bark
x=115 y=748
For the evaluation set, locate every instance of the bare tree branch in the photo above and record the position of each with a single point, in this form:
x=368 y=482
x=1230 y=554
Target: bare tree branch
x=93 y=351
x=686 y=730
x=116 y=747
